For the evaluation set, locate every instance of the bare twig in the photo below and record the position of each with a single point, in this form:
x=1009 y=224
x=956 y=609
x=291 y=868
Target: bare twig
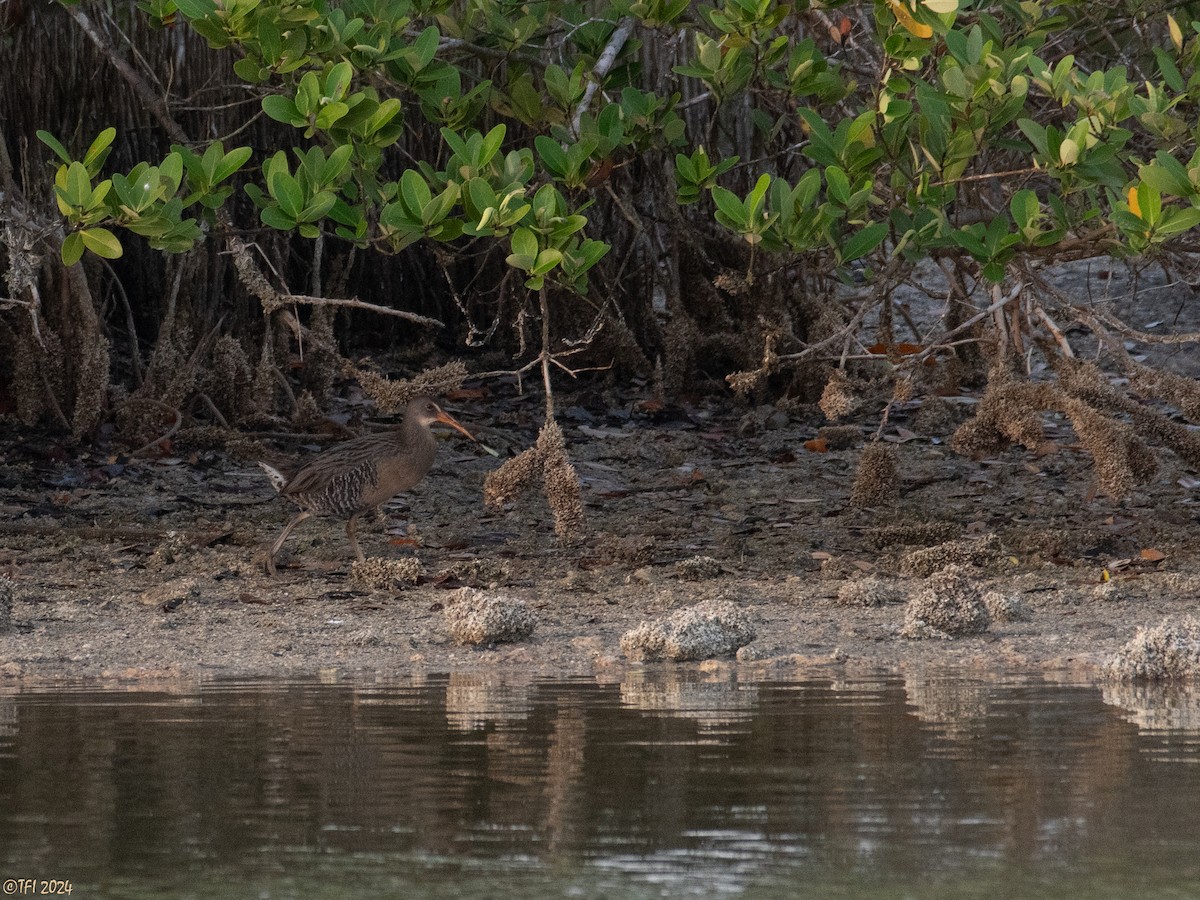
x=1059 y=338
x=619 y=36
x=152 y=102
x=272 y=299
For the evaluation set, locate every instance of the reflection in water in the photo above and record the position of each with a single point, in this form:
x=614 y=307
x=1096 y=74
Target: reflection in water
x=1158 y=707
x=474 y=700
x=958 y=707
x=714 y=701
x=668 y=783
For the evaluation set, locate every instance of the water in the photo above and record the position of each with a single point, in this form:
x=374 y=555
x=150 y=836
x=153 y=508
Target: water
x=653 y=785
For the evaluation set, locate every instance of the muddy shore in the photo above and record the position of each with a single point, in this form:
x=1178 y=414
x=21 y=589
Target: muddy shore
x=133 y=568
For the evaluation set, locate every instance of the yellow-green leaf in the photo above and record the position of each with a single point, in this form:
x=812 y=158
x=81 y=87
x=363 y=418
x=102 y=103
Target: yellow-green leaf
x=102 y=242
x=941 y=7
x=1068 y=152
x=72 y=249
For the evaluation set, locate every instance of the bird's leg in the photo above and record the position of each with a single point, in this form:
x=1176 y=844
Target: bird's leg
x=352 y=533
x=296 y=520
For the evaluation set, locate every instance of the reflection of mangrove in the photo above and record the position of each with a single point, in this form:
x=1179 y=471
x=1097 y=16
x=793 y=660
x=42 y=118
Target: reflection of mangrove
x=956 y=707
x=1158 y=707
x=8 y=720
x=712 y=700
x=475 y=701
x=482 y=764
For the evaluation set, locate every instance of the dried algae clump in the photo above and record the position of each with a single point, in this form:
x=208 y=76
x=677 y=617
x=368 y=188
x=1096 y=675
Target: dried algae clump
x=981 y=552
x=1176 y=389
x=485 y=572
x=1010 y=412
x=937 y=416
x=512 y=479
x=473 y=617
x=876 y=483
x=562 y=482
x=1168 y=652
x=91 y=379
x=394 y=395
x=384 y=574
x=8 y=592
x=1006 y=607
x=516 y=476
x=697 y=568
x=228 y=379
x=708 y=629
x=838 y=399
x=840 y=437
x=921 y=534
x=1122 y=460
x=870 y=592
x=948 y=606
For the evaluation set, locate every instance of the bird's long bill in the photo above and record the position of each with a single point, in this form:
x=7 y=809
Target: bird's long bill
x=446 y=419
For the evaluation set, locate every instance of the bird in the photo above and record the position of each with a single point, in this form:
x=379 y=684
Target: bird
x=357 y=476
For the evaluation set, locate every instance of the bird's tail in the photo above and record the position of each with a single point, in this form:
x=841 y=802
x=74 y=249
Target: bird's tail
x=278 y=479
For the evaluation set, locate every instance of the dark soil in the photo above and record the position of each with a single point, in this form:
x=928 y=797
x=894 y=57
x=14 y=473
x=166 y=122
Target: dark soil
x=148 y=568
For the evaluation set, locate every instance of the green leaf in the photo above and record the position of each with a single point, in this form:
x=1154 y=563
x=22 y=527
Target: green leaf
x=546 y=260
x=99 y=149
x=1170 y=72
x=730 y=204
x=838 y=185
x=287 y=191
x=170 y=173
x=330 y=113
x=414 y=192
x=196 y=9
x=524 y=243
x=864 y=241
x=337 y=82
x=1025 y=208
x=249 y=70
x=272 y=216
x=1168 y=175
x=230 y=163
x=1178 y=220
x=72 y=249
x=552 y=155
x=338 y=160
x=1037 y=136
x=102 y=242
x=53 y=143
x=281 y=109
x=79 y=186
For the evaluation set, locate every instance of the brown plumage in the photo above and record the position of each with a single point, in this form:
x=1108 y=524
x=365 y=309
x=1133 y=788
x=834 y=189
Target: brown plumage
x=358 y=476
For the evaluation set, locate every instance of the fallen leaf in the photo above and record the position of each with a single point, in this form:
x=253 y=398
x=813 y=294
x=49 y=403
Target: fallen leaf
x=404 y=542
x=821 y=554
x=902 y=436
x=817 y=445
x=1151 y=555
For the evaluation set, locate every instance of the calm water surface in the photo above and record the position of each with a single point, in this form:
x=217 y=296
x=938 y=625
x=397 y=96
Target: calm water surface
x=656 y=785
